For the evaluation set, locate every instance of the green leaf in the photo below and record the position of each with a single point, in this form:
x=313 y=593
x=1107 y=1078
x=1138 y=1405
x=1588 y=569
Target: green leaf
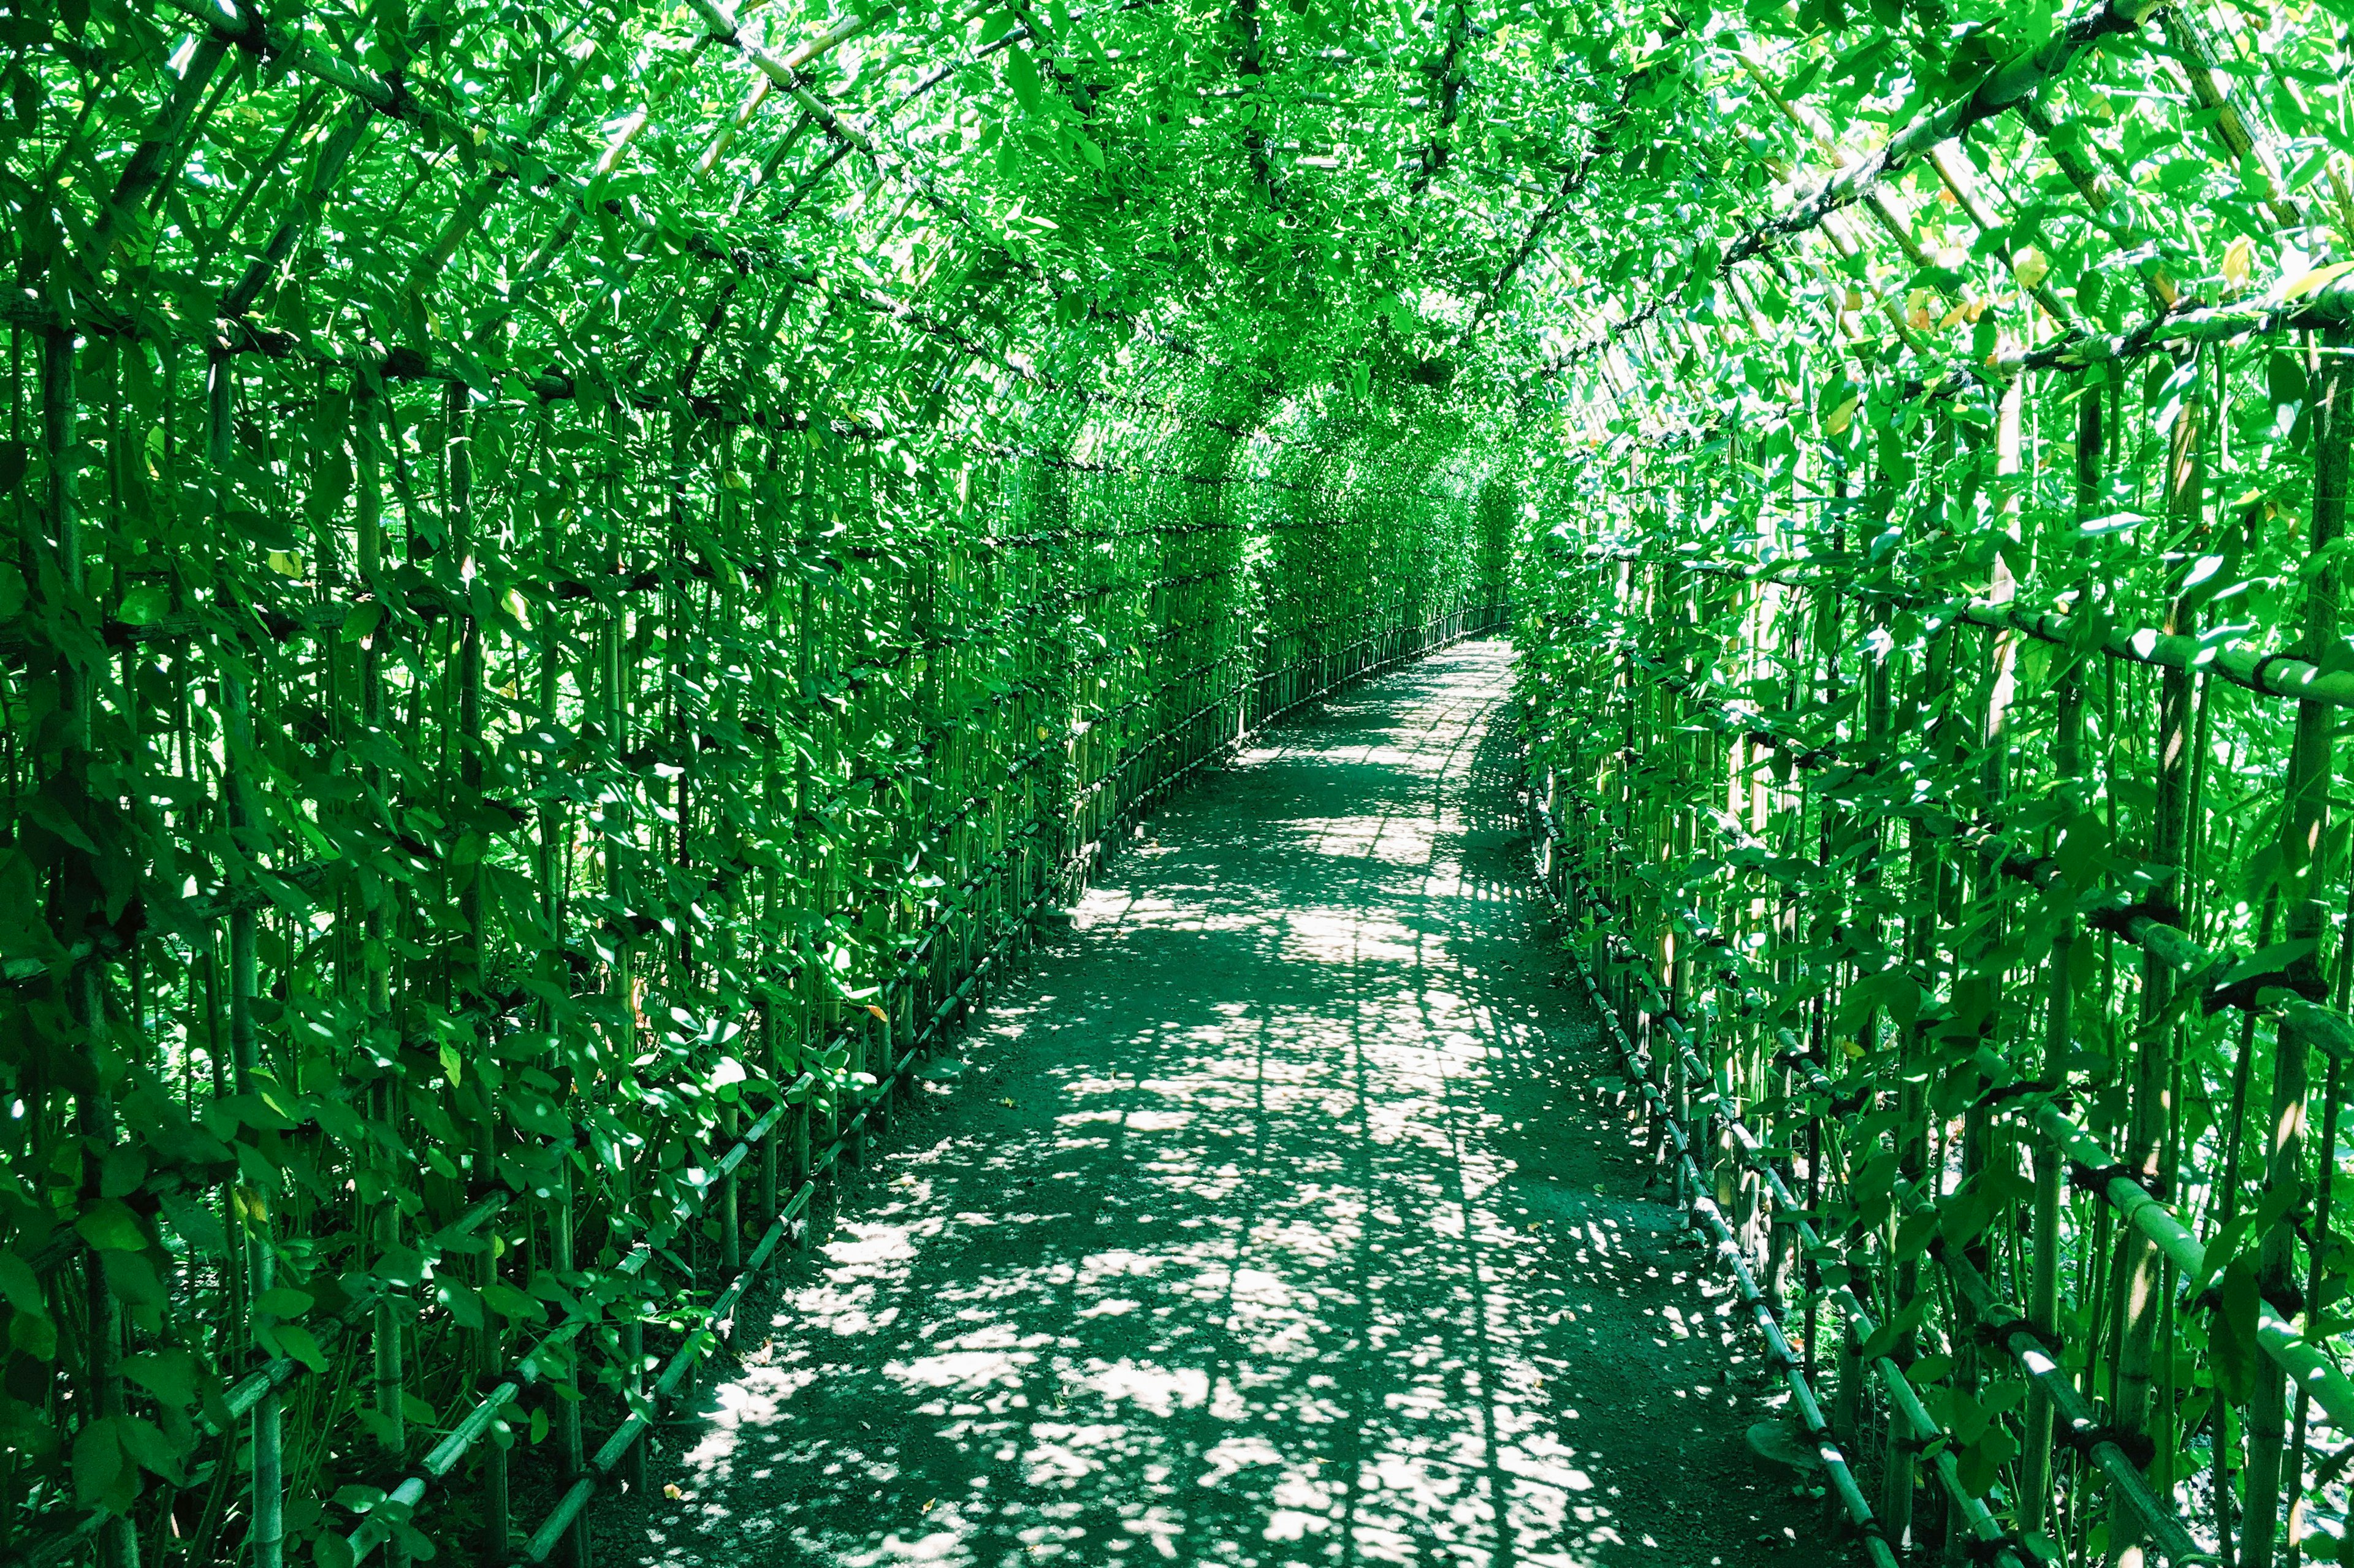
x=2317 y=278
x=45 y=810
x=361 y=620
x=330 y=1549
x=2285 y=383
x=2274 y=958
x=169 y=1374
x=400 y=1266
x=1981 y=1462
x=103 y=1478
x=146 y=605
x=28 y=946
x=18 y=1286
x=379 y=1426
x=34 y=1334
x=1912 y=1236
x=132 y=1279
x=143 y=1441
x=2232 y=1330
x=1022 y=75
x=284 y=1302
x=299 y=1344
x=508 y=1302
x=109 y=1224
x=2082 y=850
x=538 y=1115
x=122 y=1170
x=1893 y=991
x=261 y=529
x=464 y=1303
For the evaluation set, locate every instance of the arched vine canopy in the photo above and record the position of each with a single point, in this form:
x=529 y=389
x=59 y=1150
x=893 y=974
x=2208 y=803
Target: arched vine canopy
x=581 y=576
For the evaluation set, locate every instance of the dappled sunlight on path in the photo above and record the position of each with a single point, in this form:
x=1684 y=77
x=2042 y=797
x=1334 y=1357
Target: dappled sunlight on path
x=1272 y=1219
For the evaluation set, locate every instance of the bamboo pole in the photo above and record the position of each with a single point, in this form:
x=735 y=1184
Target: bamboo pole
x=2043 y=1286
x=2305 y=810
x=101 y=1379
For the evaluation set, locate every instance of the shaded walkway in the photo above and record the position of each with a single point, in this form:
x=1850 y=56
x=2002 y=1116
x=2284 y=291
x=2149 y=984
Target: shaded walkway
x=1270 y=1221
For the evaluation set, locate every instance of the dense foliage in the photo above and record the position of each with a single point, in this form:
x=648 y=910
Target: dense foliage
x=1935 y=665
x=575 y=588
x=579 y=577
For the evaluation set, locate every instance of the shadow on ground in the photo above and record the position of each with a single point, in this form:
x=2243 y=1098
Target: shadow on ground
x=1274 y=1219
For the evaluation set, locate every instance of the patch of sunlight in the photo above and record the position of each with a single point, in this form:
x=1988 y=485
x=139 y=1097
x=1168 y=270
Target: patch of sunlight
x=1258 y=1288
x=1345 y=936
x=1157 y=1527
x=1555 y=1472
x=1393 y=840
x=849 y=1313
x=1189 y=915
x=969 y=1370
x=1064 y=1455
x=998 y=1335
x=1102 y=906
x=871 y=1244
x=940 y=1546
x=1110 y=1115
x=1235 y=1455
x=1159 y=1120
x=1318 y=1239
x=1290 y=1524
x=1154 y=1389
x=752 y=1402
x=1411 y=753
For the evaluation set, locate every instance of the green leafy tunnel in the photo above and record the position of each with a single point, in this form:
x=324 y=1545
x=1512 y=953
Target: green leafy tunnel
x=582 y=577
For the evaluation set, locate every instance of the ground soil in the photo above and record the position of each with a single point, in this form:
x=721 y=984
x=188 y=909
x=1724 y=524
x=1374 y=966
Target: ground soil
x=1282 y=1214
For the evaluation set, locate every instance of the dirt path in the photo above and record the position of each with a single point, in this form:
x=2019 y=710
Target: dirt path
x=1272 y=1219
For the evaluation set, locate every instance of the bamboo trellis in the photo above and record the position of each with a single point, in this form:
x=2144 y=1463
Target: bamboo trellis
x=1932 y=680
x=530 y=706
x=578 y=580
x=2031 y=1021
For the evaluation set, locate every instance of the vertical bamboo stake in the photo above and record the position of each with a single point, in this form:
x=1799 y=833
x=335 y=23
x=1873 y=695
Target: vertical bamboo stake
x=805 y=865
x=2305 y=812
x=102 y=1379
x=268 y=1530
x=555 y=873
x=367 y=435
x=2317 y=1281
x=1978 y=972
x=777 y=952
x=1877 y=675
x=575 y=1539
x=619 y=884
x=1923 y=911
x=2044 y=1275
x=2139 y=1278
x=470 y=994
